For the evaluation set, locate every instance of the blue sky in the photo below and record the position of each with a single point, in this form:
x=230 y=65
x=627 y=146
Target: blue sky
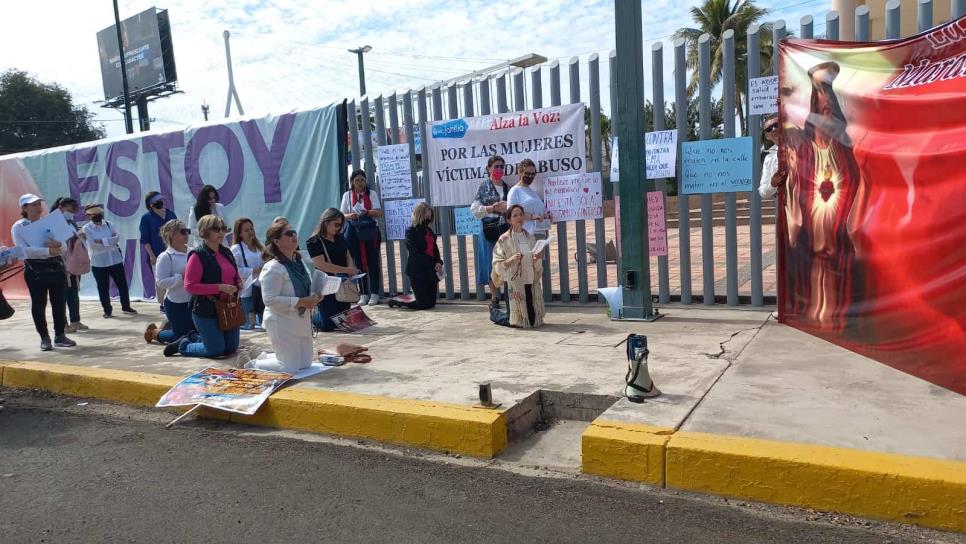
x=292 y=53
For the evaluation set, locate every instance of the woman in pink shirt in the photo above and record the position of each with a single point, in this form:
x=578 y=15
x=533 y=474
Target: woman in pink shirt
x=211 y=272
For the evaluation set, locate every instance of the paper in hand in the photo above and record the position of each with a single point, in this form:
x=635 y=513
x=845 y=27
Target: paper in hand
x=249 y=282
x=540 y=246
x=356 y=277
x=324 y=284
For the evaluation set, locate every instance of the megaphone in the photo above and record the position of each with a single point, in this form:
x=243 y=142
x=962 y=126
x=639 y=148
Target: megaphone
x=639 y=385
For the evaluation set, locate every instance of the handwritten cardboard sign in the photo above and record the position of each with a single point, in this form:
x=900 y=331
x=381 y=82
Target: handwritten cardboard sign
x=763 y=95
x=466 y=223
x=399 y=215
x=395 y=174
x=574 y=197
x=656 y=227
x=661 y=153
x=716 y=166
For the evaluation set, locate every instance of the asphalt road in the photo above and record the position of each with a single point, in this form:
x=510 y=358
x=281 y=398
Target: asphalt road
x=67 y=476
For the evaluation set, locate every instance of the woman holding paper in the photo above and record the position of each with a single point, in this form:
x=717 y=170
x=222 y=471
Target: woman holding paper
x=106 y=261
x=489 y=207
x=248 y=256
x=329 y=253
x=516 y=263
x=43 y=272
x=286 y=290
x=361 y=207
x=537 y=219
x=424 y=266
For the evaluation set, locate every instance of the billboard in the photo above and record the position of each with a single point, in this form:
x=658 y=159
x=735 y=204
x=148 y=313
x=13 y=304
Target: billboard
x=148 y=53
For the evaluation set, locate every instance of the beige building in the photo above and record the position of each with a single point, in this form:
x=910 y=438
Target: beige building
x=908 y=14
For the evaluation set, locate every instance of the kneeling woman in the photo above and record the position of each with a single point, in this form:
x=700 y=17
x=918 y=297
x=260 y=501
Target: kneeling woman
x=211 y=273
x=515 y=263
x=424 y=265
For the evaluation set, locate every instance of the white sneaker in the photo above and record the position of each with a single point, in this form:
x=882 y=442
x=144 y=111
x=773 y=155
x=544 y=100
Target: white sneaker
x=363 y=300
x=374 y=300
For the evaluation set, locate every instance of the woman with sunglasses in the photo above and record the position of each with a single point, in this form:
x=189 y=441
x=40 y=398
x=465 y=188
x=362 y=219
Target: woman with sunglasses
x=768 y=185
x=489 y=207
x=210 y=274
x=169 y=272
x=536 y=217
x=286 y=289
x=156 y=216
x=330 y=254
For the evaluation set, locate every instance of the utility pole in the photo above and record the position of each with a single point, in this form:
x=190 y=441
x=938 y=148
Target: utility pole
x=635 y=266
x=232 y=92
x=362 y=68
x=128 y=121
x=144 y=121
x=204 y=110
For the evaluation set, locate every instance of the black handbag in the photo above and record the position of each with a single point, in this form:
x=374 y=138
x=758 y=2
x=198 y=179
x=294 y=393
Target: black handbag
x=6 y=310
x=493 y=228
x=50 y=269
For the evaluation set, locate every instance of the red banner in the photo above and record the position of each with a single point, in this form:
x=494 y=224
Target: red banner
x=873 y=231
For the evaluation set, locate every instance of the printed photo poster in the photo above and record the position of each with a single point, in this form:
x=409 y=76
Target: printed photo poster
x=872 y=221
x=352 y=320
x=399 y=216
x=575 y=197
x=457 y=149
x=237 y=390
x=395 y=172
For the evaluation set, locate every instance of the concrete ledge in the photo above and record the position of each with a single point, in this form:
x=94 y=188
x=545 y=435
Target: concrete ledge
x=436 y=426
x=625 y=451
x=916 y=490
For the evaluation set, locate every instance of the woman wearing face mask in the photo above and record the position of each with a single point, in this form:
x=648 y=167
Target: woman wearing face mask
x=537 y=219
x=44 y=274
x=75 y=249
x=151 y=222
x=490 y=206
x=361 y=207
x=515 y=263
x=106 y=260
x=207 y=203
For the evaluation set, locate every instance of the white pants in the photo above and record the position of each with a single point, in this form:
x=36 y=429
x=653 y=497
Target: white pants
x=292 y=353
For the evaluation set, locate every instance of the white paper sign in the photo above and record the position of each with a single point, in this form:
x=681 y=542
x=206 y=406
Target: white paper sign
x=763 y=95
x=395 y=174
x=574 y=197
x=614 y=166
x=399 y=215
x=324 y=284
x=457 y=149
x=52 y=225
x=661 y=153
x=656 y=227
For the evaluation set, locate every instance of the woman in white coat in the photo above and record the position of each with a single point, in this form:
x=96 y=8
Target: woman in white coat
x=286 y=285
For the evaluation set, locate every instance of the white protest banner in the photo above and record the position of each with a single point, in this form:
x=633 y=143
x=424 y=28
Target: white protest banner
x=395 y=173
x=457 y=149
x=661 y=153
x=763 y=95
x=614 y=166
x=575 y=197
x=656 y=227
x=466 y=223
x=399 y=216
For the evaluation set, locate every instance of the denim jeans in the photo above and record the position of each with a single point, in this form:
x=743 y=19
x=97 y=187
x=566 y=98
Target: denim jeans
x=179 y=316
x=211 y=341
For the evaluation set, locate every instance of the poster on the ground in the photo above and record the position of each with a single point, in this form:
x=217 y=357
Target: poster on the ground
x=716 y=166
x=352 y=320
x=399 y=216
x=237 y=390
x=574 y=198
x=457 y=149
x=872 y=225
x=395 y=171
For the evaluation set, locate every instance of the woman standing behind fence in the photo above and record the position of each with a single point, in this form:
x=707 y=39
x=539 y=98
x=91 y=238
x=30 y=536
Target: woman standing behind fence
x=107 y=263
x=490 y=206
x=515 y=263
x=169 y=273
x=537 y=219
x=248 y=256
x=361 y=207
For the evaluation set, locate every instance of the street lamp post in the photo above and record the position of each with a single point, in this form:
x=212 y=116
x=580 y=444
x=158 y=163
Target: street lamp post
x=362 y=69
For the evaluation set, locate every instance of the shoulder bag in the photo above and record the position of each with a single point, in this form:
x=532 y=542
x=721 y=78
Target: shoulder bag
x=258 y=305
x=348 y=290
x=229 y=313
x=494 y=227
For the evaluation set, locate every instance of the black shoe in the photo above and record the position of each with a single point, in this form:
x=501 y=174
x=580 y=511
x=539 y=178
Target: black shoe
x=108 y=315
x=63 y=342
x=174 y=348
x=131 y=311
x=45 y=344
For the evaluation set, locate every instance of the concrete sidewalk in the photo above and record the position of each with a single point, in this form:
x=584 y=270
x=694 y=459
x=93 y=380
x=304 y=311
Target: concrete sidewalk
x=727 y=375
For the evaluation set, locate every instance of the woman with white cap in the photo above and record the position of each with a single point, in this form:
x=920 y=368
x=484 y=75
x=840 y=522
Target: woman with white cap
x=44 y=274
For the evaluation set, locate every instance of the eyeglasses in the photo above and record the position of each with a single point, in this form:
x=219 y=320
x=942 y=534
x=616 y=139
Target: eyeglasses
x=291 y=233
x=185 y=232
x=223 y=228
x=770 y=128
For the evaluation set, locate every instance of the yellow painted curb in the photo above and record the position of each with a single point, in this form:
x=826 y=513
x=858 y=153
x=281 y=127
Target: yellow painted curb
x=432 y=425
x=916 y=490
x=625 y=451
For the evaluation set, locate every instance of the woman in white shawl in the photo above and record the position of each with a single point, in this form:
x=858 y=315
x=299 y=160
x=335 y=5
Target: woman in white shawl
x=515 y=263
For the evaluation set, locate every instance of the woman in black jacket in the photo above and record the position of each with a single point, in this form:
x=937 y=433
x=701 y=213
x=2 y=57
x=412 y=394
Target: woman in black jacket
x=425 y=267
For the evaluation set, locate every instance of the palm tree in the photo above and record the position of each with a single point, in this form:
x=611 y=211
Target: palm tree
x=714 y=17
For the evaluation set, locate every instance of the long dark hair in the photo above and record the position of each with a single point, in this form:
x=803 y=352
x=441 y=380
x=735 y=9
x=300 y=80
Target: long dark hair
x=202 y=207
x=328 y=216
x=63 y=201
x=275 y=232
x=356 y=173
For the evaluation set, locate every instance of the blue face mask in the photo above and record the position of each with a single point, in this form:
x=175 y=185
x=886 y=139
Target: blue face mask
x=68 y=215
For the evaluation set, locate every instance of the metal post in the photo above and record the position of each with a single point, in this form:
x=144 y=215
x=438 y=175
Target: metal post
x=957 y=8
x=684 y=208
x=807 y=27
x=778 y=34
x=893 y=22
x=536 y=102
x=354 y=134
x=445 y=213
x=484 y=86
x=144 y=121
x=423 y=120
x=614 y=186
x=635 y=264
x=563 y=268
x=731 y=204
x=362 y=71
x=501 y=103
x=925 y=15
x=232 y=91
x=380 y=111
x=596 y=155
x=580 y=226
x=393 y=106
x=832 y=25
x=862 y=23
x=128 y=121
x=370 y=166
x=657 y=80
x=754 y=130
x=461 y=240
x=707 y=218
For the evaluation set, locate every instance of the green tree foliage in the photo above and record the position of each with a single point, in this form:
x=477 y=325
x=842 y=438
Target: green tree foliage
x=37 y=115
